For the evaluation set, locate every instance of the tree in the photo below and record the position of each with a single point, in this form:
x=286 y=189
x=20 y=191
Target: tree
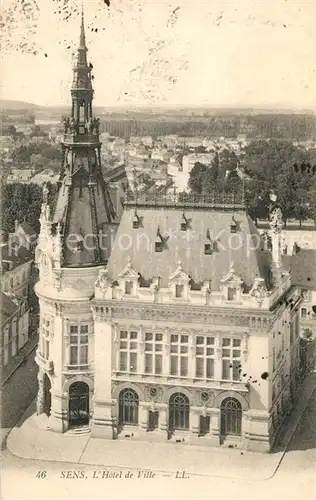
x=196 y=178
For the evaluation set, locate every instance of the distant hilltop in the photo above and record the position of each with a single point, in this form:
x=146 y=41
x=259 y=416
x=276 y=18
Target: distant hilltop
x=6 y=105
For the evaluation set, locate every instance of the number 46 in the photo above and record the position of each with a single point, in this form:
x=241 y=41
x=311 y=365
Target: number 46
x=41 y=474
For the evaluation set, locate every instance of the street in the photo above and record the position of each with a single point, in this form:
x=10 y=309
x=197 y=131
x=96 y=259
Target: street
x=18 y=392
x=294 y=479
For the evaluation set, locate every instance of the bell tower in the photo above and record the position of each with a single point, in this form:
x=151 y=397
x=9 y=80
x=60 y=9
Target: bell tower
x=73 y=248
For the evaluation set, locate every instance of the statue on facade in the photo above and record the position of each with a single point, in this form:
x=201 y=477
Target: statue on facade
x=66 y=122
x=102 y=281
x=96 y=125
x=73 y=125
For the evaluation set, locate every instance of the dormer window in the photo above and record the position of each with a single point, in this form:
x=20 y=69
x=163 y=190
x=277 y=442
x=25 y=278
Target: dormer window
x=136 y=221
x=208 y=250
x=179 y=291
x=184 y=223
x=208 y=246
x=231 y=293
x=233 y=225
x=159 y=242
x=128 y=287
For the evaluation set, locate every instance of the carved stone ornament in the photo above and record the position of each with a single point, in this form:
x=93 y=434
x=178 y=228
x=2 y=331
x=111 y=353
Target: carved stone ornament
x=128 y=271
x=153 y=393
x=179 y=275
x=102 y=281
x=258 y=291
x=232 y=278
x=205 y=398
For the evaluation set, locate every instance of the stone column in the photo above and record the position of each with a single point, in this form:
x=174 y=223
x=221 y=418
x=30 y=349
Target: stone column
x=143 y=417
x=103 y=422
x=40 y=393
x=166 y=355
x=58 y=418
x=194 y=421
x=141 y=351
x=215 y=424
x=192 y=353
x=218 y=359
x=163 y=418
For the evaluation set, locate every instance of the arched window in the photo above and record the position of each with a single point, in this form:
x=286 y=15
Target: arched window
x=179 y=412
x=231 y=414
x=128 y=407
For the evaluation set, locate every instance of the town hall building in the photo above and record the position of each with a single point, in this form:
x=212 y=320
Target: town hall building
x=174 y=324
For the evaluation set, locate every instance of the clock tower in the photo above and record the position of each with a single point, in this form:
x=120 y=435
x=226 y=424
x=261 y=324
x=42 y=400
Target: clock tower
x=74 y=245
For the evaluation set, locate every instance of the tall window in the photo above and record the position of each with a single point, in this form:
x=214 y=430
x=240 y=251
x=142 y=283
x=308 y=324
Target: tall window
x=231 y=359
x=204 y=357
x=128 y=351
x=153 y=353
x=128 y=287
x=231 y=293
x=79 y=345
x=179 y=291
x=231 y=416
x=45 y=337
x=303 y=312
x=179 y=349
x=128 y=407
x=179 y=412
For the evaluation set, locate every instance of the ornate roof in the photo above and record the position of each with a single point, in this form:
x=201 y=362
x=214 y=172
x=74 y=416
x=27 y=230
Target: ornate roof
x=206 y=247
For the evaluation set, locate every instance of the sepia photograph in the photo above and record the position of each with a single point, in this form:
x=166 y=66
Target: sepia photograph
x=158 y=249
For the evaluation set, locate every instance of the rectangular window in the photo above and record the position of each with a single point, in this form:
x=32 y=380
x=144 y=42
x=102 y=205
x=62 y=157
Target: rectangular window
x=153 y=420
x=303 y=312
x=231 y=293
x=128 y=351
x=79 y=341
x=179 y=291
x=204 y=367
x=153 y=353
x=204 y=425
x=179 y=351
x=231 y=359
x=128 y=287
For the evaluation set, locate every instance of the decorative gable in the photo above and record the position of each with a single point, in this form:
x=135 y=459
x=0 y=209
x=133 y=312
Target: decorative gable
x=232 y=285
x=128 y=279
x=179 y=283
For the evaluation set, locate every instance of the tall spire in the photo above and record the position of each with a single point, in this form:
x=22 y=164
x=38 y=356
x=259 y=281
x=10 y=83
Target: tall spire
x=82 y=44
x=84 y=208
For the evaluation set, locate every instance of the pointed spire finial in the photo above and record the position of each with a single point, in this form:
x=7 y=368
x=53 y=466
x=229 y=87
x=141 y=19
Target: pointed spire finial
x=82 y=32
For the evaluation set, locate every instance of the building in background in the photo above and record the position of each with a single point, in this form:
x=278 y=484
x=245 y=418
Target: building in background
x=14 y=314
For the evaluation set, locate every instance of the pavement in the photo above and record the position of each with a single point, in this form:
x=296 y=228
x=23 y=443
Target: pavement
x=31 y=440
x=17 y=360
x=18 y=389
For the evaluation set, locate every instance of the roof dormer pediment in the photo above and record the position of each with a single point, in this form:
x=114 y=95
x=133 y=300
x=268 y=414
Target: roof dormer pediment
x=232 y=278
x=179 y=275
x=128 y=271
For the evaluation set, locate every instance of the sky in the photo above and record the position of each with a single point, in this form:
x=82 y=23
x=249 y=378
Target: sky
x=232 y=53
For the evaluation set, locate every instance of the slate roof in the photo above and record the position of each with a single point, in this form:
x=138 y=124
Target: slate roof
x=303 y=268
x=27 y=228
x=17 y=255
x=7 y=307
x=188 y=246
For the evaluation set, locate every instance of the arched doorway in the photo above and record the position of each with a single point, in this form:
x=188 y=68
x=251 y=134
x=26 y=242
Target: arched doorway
x=47 y=395
x=179 y=412
x=231 y=415
x=78 y=404
x=128 y=407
